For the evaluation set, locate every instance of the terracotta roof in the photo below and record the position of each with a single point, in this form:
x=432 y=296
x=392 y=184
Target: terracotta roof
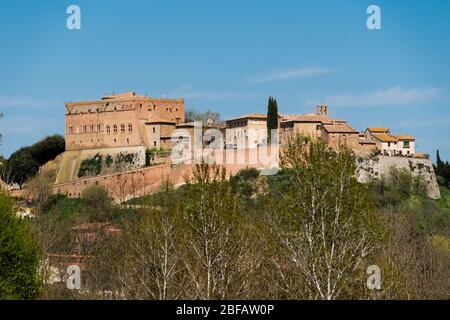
x=250 y=116
x=205 y=125
x=405 y=137
x=307 y=118
x=339 y=128
x=311 y=118
x=385 y=137
x=378 y=130
x=159 y=120
x=186 y=124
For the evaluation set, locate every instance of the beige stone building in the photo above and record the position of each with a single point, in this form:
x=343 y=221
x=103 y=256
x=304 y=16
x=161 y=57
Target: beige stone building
x=306 y=124
x=248 y=131
x=159 y=132
x=340 y=134
x=336 y=133
x=121 y=120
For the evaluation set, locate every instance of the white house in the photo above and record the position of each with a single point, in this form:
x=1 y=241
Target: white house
x=390 y=144
x=406 y=145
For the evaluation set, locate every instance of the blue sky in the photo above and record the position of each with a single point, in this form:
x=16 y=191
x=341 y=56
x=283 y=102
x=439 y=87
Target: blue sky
x=230 y=55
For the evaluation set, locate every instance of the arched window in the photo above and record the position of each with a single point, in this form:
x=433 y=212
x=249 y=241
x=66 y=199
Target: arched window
x=122 y=128
x=84 y=128
x=108 y=129
x=130 y=128
x=115 y=129
x=92 y=128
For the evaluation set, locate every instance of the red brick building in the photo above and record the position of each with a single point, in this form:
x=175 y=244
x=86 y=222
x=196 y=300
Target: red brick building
x=121 y=120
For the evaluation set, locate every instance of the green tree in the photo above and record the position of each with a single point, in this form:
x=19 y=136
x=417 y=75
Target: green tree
x=438 y=158
x=25 y=162
x=48 y=148
x=22 y=165
x=19 y=258
x=442 y=171
x=272 y=118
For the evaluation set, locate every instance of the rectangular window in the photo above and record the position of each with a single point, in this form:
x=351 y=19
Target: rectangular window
x=406 y=144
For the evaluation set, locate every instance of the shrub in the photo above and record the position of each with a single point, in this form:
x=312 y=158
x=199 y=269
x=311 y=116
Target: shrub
x=90 y=166
x=109 y=161
x=245 y=182
x=96 y=202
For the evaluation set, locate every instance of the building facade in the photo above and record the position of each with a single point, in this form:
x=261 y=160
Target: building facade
x=248 y=131
x=390 y=144
x=121 y=120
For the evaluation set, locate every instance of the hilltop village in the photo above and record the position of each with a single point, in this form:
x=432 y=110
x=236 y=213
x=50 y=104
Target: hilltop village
x=130 y=136
x=129 y=120
x=132 y=143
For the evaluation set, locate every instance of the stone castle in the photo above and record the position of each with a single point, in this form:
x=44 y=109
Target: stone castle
x=121 y=120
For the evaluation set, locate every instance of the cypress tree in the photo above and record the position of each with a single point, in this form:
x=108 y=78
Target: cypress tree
x=438 y=158
x=272 y=117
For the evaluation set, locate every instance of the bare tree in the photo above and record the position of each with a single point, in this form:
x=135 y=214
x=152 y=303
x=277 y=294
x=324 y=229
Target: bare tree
x=193 y=115
x=327 y=227
x=38 y=187
x=5 y=174
x=127 y=185
x=218 y=257
x=152 y=267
